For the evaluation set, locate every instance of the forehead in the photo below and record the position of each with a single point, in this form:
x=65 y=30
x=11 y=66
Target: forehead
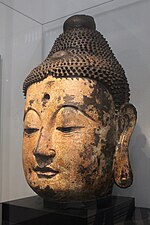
x=84 y=93
x=77 y=87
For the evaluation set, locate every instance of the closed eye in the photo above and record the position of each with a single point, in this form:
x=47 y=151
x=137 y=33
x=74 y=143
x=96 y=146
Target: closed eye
x=30 y=130
x=68 y=129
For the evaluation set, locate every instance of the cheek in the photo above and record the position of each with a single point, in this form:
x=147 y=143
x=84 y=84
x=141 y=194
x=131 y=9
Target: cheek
x=76 y=148
x=67 y=150
x=29 y=145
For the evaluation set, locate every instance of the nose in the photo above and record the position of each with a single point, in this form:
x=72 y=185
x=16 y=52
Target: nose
x=44 y=152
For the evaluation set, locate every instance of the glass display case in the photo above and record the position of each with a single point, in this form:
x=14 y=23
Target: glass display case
x=28 y=31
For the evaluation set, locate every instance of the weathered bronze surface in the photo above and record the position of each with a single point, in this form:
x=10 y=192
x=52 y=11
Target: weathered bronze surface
x=78 y=120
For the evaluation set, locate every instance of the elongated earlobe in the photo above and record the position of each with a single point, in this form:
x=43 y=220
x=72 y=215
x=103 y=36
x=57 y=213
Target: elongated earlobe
x=122 y=169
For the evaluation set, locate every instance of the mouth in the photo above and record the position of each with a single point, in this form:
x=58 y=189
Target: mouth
x=45 y=172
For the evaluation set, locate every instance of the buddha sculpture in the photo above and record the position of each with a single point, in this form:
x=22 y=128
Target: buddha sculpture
x=78 y=120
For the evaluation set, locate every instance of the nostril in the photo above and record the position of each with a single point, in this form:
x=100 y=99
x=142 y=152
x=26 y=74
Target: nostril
x=51 y=153
x=41 y=157
x=44 y=158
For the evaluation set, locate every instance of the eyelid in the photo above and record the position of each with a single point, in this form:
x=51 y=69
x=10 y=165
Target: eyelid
x=67 y=129
x=30 y=130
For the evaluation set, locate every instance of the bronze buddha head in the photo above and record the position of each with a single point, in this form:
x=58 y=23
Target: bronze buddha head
x=78 y=120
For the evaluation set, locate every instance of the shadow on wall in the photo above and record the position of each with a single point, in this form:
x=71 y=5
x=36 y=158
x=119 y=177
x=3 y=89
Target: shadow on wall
x=140 y=162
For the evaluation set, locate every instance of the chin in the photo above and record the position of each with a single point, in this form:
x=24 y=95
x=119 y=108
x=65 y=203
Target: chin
x=70 y=195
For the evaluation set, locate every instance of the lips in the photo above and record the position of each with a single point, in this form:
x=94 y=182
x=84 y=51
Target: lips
x=45 y=172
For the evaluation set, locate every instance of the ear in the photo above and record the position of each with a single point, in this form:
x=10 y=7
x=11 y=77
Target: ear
x=126 y=122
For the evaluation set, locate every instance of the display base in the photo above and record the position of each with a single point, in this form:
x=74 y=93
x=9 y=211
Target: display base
x=34 y=211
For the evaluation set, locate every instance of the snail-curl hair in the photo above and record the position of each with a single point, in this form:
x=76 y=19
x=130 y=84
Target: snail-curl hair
x=83 y=52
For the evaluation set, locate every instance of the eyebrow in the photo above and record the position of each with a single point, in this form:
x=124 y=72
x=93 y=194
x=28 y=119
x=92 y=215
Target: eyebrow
x=77 y=108
x=28 y=109
x=55 y=113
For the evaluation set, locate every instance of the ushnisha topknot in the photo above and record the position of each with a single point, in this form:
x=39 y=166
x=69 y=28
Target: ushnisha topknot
x=83 y=52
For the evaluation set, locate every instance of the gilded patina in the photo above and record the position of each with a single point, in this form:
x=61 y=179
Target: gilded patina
x=78 y=120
